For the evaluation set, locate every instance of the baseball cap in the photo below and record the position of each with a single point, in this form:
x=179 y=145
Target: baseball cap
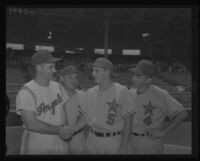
x=69 y=70
x=145 y=67
x=43 y=56
x=103 y=63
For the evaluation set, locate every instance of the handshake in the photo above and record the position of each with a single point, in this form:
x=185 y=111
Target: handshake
x=66 y=133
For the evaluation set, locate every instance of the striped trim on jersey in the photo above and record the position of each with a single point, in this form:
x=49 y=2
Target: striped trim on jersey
x=29 y=90
x=176 y=112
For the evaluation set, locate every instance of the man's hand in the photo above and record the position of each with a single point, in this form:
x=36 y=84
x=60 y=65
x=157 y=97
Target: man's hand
x=155 y=133
x=65 y=133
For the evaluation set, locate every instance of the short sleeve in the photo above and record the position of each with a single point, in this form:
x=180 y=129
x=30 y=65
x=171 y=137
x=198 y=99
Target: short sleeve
x=127 y=103
x=25 y=100
x=171 y=105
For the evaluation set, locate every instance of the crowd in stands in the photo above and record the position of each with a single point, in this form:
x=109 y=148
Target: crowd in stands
x=161 y=66
x=173 y=66
x=83 y=64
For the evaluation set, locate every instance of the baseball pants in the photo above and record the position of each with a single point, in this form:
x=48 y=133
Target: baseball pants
x=144 y=145
x=102 y=145
x=42 y=144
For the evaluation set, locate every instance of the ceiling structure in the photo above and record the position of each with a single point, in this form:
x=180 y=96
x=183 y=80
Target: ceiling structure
x=84 y=27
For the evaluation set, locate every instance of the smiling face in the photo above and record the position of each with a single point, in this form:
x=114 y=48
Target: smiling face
x=99 y=74
x=46 y=70
x=70 y=81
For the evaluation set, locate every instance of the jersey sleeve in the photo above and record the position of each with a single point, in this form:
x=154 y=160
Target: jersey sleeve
x=127 y=103
x=25 y=100
x=171 y=106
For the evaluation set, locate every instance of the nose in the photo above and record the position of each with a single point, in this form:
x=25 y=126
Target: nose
x=93 y=72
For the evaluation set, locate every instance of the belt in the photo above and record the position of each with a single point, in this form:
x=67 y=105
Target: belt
x=136 y=134
x=105 y=134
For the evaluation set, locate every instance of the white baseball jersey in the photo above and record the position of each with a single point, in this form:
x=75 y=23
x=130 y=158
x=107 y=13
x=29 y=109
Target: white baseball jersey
x=47 y=103
x=72 y=107
x=104 y=112
x=152 y=107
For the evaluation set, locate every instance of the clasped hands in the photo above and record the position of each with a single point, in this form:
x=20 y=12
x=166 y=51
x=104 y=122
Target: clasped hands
x=66 y=133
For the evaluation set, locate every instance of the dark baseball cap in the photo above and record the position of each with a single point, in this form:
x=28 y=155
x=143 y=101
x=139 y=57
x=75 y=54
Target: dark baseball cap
x=144 y=67
x=69 y=70
x=103 y=63
x=43 y=56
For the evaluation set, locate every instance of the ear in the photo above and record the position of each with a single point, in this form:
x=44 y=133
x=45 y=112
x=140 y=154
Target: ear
x=38 y=67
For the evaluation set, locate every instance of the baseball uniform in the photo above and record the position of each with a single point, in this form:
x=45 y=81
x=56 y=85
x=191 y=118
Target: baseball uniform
x=152 y=107
x=48 y=105
x=104 y=113
x=72 y=109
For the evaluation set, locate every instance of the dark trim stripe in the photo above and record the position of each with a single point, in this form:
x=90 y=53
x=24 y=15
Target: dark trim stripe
x=28 y=89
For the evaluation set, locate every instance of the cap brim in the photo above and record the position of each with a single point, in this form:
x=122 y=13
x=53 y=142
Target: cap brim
x=53 y=60
x=136 y=70
x=96 y=65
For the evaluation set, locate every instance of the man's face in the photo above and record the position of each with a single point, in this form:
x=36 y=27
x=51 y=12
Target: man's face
x=99 y=74
x=139 y=80
x=70 y=81
x=47 y=70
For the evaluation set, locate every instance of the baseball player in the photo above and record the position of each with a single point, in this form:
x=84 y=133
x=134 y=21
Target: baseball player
x=152 y=104
x=39 y=103
x=73 y=101
x=107 y=108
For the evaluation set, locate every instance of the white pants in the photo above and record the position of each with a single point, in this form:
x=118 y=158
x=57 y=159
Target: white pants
x=144 y=145
x=102 y=145
x=77 y=143
x=42 y=144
